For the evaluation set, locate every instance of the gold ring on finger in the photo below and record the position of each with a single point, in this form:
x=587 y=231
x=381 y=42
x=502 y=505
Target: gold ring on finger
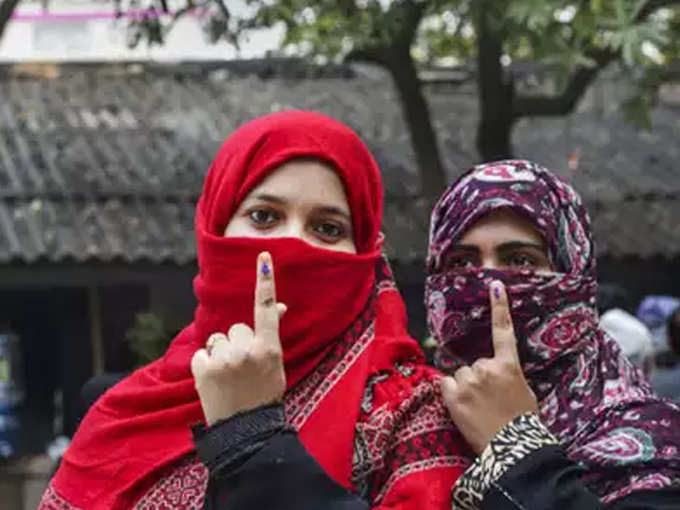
x=212 y=340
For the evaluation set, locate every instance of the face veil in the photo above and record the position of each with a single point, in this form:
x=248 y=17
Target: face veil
x=593 y=400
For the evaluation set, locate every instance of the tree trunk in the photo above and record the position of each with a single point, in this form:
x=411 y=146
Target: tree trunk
x=496 y=92
x=6 y=9
x=417 y=114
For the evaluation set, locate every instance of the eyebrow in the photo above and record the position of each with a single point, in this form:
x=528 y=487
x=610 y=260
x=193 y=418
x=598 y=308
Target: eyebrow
x=465 y=247
x=336 y=211
x=332 y=210
x=518 y=245
x=510 y=245
x=270 y=198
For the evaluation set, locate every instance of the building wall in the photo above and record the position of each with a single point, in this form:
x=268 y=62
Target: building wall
x=89 y=31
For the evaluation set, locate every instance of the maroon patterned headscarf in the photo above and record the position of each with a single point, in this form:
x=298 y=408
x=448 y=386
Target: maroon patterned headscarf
x=592 y=399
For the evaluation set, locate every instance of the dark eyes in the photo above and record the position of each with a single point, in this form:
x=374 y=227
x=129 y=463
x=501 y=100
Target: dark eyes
x=521 y=260
x=517 y=259
x=263 y=217
x=462 y=262
x=330 y=231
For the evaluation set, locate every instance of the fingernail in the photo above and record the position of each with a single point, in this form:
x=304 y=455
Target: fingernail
x=496 y=290
x=265 y=268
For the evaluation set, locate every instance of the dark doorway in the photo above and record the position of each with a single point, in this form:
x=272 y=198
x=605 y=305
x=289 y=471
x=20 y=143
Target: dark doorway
x=52 y=325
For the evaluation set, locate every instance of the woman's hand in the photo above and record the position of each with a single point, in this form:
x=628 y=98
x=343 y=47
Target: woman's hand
x=244 y=369
x=488 y=395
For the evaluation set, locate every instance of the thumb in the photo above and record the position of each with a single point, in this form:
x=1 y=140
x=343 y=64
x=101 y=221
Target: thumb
x=282 y=309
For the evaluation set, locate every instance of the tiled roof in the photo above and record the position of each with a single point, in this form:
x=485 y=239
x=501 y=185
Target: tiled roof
x=128 y=229
x=104 y=162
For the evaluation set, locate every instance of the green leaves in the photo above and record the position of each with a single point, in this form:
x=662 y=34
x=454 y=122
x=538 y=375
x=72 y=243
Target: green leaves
x=565 y=36
x=148 y=338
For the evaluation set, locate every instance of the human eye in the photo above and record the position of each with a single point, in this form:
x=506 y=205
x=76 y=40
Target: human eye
x=461 y=261
x=522 y=260
x=330 y=231
x=262 y=217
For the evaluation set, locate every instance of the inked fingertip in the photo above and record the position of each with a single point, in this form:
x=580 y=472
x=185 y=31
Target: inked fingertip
x=265 y=263
x=496 y=289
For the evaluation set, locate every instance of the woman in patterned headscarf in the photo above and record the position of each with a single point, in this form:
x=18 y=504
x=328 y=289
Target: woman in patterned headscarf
x=558 y=417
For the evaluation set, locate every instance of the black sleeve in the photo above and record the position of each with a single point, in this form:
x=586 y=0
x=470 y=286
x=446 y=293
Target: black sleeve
x=547 y=479
x=524 y=468
x=256 y=461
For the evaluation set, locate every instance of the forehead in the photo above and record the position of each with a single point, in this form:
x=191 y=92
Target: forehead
x=501 y=226
x=304 y=180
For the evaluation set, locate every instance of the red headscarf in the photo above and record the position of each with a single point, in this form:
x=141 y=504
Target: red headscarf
x=140 y=428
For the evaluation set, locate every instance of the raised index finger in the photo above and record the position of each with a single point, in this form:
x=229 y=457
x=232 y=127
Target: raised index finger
x=266 y=312
x=502 y=330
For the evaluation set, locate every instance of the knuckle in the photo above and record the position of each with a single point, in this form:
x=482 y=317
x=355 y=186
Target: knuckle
x=451 y=393
x=482 y=368
x=510 y=368
x=476 y=381
x=224 y=364
x=462 y=372
x=267 y=301
x=248 y=358
x=237 y=330
x=270 y=354
x=212 y=372
x=453 y=398
x=503 y=321
x=464 y=394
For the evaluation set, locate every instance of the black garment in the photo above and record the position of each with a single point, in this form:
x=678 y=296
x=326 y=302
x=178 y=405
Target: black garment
x=257 y=462
x=95 y=387
x=547 y=479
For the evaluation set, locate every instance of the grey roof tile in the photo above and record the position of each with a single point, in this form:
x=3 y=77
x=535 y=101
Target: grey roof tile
x=106 y=164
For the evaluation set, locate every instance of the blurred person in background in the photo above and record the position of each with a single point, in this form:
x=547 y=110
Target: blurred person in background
x=632 y=336
x=654 y=312
x=666 y=378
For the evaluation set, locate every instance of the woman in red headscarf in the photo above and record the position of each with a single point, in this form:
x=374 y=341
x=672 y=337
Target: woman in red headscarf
x=337 y=379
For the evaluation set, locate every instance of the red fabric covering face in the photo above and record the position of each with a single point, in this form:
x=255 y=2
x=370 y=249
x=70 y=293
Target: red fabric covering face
x=135 y=433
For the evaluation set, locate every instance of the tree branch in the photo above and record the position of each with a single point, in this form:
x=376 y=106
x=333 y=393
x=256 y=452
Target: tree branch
x=413 y=14
x=370 y=54
x=6 y=9
x=651 y=6
x=582 y=77
x=402 y=39
x=545 y=105
x=223 y=8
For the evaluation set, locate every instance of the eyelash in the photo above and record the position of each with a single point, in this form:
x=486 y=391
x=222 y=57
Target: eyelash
x=261 y=224
x=340 y=232
x=510 y=260
x=462 y=262
x=339 y=229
